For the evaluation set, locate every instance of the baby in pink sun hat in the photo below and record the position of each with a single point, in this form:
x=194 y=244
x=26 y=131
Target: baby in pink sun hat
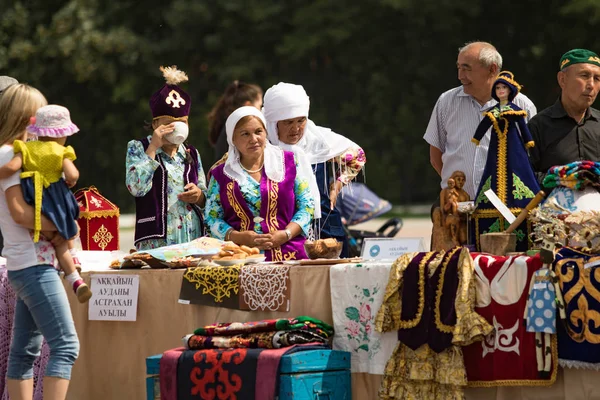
x=43 y=163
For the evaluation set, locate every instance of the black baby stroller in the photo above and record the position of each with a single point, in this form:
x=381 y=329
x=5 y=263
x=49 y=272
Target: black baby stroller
x=357 y=204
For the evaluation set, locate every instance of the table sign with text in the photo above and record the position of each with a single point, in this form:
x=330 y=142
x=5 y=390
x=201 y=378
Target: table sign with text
x=390 y=248
x=114 y=298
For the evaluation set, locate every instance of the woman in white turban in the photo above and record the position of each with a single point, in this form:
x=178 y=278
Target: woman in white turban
x=328 y=160
x=256 y=197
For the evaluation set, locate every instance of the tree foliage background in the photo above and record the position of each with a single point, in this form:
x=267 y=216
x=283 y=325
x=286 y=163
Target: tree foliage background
x=373 y=69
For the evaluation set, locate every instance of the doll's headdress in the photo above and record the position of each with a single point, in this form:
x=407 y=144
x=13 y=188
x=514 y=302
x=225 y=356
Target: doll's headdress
x=507 y=78
x=171 y=100
x=52 y=121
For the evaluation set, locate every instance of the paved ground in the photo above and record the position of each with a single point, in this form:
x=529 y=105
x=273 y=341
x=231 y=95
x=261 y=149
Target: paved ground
x=413 y=227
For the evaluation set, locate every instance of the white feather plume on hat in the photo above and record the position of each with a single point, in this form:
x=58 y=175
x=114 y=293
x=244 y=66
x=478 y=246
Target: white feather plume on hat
x=173 y=76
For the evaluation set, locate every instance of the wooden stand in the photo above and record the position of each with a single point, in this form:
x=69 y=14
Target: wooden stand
x=498 y=243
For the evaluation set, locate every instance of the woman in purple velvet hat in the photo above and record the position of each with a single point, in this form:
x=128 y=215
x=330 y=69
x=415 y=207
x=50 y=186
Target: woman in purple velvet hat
x=165 y=173
x=256 y=197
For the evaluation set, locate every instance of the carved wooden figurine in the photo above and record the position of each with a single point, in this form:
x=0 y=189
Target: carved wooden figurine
x=449 y=225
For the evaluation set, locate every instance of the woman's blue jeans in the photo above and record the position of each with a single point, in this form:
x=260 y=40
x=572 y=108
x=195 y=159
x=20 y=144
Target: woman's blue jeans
x=42 y=310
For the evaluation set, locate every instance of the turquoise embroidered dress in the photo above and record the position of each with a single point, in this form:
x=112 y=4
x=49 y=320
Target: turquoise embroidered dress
x=214 y=214
x=183 y=224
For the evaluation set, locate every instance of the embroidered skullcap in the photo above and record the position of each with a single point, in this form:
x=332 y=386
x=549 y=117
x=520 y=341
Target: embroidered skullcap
x=578 y=56
x=507 y=78
x=52 y=121
x=171 y=100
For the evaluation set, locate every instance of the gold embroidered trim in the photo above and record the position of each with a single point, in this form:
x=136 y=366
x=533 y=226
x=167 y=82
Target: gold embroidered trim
x=218 y=282
x=411 y=323
x=582 y=315
x=438 y=295
x=526 y=382
x=502 y=155
x=245 y=221
x=272 y=209
x=522 y=113
x=272 y=223
x=101 y=213
x=494 y=212
x=102 y=237
x=184 y=118
x=511 y=80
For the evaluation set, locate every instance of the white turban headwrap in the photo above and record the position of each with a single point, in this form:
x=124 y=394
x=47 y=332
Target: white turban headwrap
x=273 y=156
x=318 y=144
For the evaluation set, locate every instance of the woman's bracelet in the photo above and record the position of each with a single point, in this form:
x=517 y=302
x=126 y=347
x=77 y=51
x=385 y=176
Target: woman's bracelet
x=228 y=234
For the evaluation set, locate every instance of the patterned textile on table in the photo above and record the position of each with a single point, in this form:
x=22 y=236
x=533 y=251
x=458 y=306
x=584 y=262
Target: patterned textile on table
x=211 y=286
x=579 y=281
x=168 y=373
x=217 y=374
x=265 y=287
x=7 y=312
x=223 y=374
x=263 y=340
x=202 y=246
x=507 y=356
x=429 y=299
x=356 y=294
x=267 y=325
x=575 y=175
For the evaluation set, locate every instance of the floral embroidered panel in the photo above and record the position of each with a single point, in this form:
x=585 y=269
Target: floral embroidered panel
x=356 y=294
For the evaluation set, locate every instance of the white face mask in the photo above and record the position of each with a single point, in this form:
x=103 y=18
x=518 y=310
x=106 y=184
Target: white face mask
x=180 y=133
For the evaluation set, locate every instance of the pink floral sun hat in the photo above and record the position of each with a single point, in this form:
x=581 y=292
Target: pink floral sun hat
x=52 y=121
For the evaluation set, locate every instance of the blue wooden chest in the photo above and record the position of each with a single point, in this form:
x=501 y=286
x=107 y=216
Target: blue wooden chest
x=315 y=375
x=152 y=382
x=305 y=375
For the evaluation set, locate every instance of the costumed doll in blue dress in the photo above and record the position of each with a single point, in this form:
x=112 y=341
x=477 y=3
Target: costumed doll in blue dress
x=542 y=303
x=507 y=170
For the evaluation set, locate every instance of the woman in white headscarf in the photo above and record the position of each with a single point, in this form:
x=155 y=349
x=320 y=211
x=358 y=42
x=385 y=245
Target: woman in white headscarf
x=257 y=198
x=328 y=160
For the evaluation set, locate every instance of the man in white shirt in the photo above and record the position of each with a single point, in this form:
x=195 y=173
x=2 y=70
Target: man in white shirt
x=459 y=111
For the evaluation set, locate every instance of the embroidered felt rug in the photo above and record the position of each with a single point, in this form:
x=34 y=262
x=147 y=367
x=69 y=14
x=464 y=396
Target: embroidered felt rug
x=267 y=325
x=507 y=356
x=579 y=281
x=217 y=374
x=265 y=287
x=223 y=374
x=357 y=292
x=211 y=286
x=263 y=340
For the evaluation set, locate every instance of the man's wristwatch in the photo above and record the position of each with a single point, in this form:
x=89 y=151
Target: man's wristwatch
x=289 y=234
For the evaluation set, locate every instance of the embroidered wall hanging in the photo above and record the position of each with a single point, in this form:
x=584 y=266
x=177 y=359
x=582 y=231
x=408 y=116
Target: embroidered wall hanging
x=211 y=286
x=507 y=356
x=579 y=281
x=265 y=287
